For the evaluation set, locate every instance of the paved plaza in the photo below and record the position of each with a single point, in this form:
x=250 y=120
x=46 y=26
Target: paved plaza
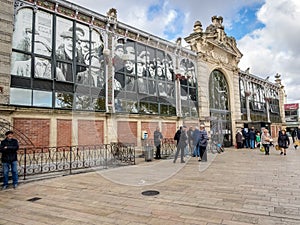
x=237 y=187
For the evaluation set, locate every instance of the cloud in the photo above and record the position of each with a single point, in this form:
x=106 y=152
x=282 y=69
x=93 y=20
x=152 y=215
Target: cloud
x=275 y=48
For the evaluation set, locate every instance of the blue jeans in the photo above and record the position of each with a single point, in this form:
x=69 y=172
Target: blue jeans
x=252 y=143
x=196 y=151
x=14 y=171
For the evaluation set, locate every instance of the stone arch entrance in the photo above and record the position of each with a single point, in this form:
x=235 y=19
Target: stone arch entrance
x=219 y=107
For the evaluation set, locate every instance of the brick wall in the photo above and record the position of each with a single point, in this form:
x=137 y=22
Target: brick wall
x=150 y=127
x=90 y=132
x=168 y=129
x=37 y=130
x=64 y=132
x=127 y=132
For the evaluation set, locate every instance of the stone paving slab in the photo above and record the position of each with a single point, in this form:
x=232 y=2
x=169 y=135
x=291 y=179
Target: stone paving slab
x=237 y=187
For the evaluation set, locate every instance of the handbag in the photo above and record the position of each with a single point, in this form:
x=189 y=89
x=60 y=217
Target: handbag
x=297 y=142
x=262 y=148
x=277 y=148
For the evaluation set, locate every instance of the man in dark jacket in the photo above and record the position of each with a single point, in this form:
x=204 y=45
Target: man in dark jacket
x=157 y=142
x=9 y=147
x=182 y=142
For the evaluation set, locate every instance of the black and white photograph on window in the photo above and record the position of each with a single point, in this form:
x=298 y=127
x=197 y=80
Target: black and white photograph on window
x=22 y=41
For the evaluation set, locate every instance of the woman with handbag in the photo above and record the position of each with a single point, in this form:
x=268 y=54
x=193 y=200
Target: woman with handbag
x=283 y=142
x=266 y=140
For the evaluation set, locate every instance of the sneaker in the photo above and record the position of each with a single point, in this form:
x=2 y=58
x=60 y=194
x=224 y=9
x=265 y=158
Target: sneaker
x=182 y=161
x=15 y=186
x=4 y=187
x=281 y=153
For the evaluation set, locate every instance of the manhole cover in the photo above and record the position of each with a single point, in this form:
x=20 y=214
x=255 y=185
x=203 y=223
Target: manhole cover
x=150 y=193
x=34 y=199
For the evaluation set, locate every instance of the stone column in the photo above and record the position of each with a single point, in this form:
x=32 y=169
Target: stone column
x=6 y=32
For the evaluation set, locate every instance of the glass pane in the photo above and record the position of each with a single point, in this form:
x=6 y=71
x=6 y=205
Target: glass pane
x=164 y=109
x=144 y=107
x=152 y=87
x=120 y=105
x=131 y=107
x=42 y=68
x=64 y=39
x=169 y=68
x=97 y=45
x=20 y=96
x=82 y=44
x=130 y=83
x=63 y=100
x=142 y=85
x=22 y=36
x=119 y=81
x=42 y=98
x=83 y=102
x=153 y=108
x=43 y=35
x=118 y=57
x=99 y=104
x=64 y=71
x=129 y=64
x=162 y=91
x=21 y=65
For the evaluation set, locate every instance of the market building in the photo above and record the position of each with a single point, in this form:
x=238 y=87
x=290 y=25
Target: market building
x=71 y=76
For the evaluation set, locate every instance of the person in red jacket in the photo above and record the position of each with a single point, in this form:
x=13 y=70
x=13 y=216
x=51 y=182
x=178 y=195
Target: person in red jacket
x=9 y=147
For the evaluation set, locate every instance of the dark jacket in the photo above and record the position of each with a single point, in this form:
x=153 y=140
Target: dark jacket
x=9 y=154
x=203 y=138
x=177 y=136
x=157 y=138
x=283 y=141
x=239 y=137
x=252 y=135
x=183 y=141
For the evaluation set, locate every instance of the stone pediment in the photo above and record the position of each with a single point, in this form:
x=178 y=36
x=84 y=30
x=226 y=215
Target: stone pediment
x=214 y=41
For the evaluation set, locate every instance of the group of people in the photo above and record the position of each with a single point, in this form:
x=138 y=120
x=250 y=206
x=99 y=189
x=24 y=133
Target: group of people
x=194 y=139
x=253 y=138
x=248 y=138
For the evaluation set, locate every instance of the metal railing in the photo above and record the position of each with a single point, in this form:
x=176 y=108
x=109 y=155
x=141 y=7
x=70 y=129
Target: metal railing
x=168 y=146
x=34 y=161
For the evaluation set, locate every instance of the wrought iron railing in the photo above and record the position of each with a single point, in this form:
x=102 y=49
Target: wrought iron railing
x=68 y=159
x=168 y=146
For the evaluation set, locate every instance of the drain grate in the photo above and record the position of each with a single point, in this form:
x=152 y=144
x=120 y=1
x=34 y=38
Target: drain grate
x=150 y=193
x=34 y=199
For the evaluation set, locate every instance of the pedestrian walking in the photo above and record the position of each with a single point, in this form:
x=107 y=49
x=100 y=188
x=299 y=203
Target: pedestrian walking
x=157 y=142
x=283 y=141
x=239 y=139
x=177 y=135
x=203 y=141
x=266 y=140
x=182 y=143
x=9 y=147
x=252 y=137
x=196 y=138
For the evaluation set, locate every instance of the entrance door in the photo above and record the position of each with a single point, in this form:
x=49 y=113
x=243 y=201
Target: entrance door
x=221 y=130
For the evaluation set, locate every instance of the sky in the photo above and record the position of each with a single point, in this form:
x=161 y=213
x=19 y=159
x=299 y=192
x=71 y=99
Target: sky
x=267 y=31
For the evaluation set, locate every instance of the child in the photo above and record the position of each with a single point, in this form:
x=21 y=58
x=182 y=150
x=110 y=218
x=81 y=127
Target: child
x=257 y=139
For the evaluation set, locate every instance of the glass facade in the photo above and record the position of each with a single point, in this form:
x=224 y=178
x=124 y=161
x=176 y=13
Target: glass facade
x=58 y=62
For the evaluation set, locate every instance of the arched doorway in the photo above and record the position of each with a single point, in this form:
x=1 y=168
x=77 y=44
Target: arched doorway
x=220 y=125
